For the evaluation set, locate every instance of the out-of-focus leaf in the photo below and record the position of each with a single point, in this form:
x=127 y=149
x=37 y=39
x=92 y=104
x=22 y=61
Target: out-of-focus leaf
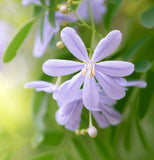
x=128 y=134
x=17 y=41
x=112 y=8
x=52 y=12
x=131 y=51
x=39 y=110
x=43 y=1
x=141 y=134
x=142 y=66
x=146 y=95
x=37 y=10
x=147 y=18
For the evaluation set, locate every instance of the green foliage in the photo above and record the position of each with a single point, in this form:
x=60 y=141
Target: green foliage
x=142 y=66
x=17 y=41
x=147 y=19
x=112 y=8
x=146 y=95
x=52 y=12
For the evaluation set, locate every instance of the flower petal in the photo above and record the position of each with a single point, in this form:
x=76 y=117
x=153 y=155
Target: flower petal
x=61 y=119
x=41 y=86
x=67 y=108
x=101 y=121
x=74 y=86
x=106 y=100
x=121 y=81
x=90 y=93
x=115 y=68
x=107 y=45
x=111 y=115
x=110 y=86
x=27 y=2
x=141 y=84
x=74 y=43
x=56 y=67
x=42 y=42
x=74 y=121
x=60 y=17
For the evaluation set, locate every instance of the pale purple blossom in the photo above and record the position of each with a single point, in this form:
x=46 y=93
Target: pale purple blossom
x=69 y=113
x=107 y=73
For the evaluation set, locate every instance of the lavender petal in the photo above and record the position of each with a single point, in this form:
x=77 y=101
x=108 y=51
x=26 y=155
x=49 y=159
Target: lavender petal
x=107 y=45
x=110 y=86
x=115 y=68
x=74 y=43
x=55 y=67
x=90 y=93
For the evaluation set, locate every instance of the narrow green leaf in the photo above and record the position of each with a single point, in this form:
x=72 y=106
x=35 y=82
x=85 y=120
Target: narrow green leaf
x=147 y=18
x=128 y=133
x=17 y=41
x=142 y=66
x=134 y=48
x=141 y=134
x=146 y=96
x=112 y=8
x=52 y=12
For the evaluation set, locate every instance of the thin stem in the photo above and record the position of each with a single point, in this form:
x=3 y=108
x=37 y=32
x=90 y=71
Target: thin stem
x=58 y=81
x=85 y=24
x=90 y=120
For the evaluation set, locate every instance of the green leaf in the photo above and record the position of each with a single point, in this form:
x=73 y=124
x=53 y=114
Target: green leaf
x=43 y=2
x=147 y=18
x=146 y=96
x=52 y=12
x=142 y=66
x=112 y=8
x=128 y=134
x=17 y=41
x=134 y=48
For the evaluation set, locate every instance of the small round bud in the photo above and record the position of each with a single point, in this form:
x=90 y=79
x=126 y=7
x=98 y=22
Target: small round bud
x=77 y=132
x=58 y=7
x=92 y=131
x=83 y=132
x=60 y=45
x=70 y=1
x=64 y=9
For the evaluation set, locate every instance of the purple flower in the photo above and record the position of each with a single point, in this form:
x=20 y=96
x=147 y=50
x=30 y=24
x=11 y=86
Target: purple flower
x=69 y=114
x=107 y=73
x=97 y=6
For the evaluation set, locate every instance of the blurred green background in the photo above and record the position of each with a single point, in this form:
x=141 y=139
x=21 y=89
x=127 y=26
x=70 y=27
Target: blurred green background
x=28 y=130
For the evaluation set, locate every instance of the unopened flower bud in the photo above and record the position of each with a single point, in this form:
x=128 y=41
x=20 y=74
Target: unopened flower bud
x=70 y=1
x=60 y=45
x=83 y=132
x=60 y=5
x=92 y=131
x=77 y=132
x=64 y=9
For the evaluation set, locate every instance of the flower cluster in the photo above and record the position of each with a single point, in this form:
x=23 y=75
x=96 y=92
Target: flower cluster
x=97 y=85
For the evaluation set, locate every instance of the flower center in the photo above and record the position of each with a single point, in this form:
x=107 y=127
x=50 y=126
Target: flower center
x=90 y=67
